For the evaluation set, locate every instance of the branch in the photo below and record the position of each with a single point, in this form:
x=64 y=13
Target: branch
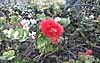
x=87 y=5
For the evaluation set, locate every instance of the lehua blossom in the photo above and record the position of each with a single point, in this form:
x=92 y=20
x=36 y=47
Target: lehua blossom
x=51 y=29
x=26 y=24
x=87 y=52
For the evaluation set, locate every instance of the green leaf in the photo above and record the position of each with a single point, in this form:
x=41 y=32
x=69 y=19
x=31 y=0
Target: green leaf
x=87 y=61
x=22 y=36
x=65 y=21
x=2 y=19
x=43 y=43
x=41 y=16
x=9 y=53
x=9 y=33
x=2 y=57
x=15 y=35
x=10 y=58
x=14 y=19
x=77 y=61
x=81 y=57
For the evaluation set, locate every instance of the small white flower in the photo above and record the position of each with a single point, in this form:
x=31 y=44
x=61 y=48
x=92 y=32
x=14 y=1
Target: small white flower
x=69 y=10
x=23 y=22
x=26 y=28
x=27 y=23
x=83 y=13
x=29 y=16
x=5 y=31
x=29 y=10
x=10 y=10
x=56 y=6
x=86 y=18
x=93 y=7
x=9 y=33
x=23 y=12
x=99 y=36
x=32 y=35
x=33 y=21
x=2 y=18
x=57 y=19
x=16 y=12
x=99 y=16
x=91 y=16
x=64 y=2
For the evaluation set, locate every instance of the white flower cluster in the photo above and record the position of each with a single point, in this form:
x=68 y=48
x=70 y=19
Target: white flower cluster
x=57 y=19
x=8 y=32
x=32 y=35
x=91 y=16
x=26 y=24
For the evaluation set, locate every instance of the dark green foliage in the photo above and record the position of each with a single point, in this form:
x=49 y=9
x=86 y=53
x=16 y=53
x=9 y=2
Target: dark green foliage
x=81 y=22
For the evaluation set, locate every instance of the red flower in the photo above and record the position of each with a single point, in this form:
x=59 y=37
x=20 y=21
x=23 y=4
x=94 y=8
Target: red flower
x=89 y=51
x=51 y=29
x=19 y=24
x=85 y=54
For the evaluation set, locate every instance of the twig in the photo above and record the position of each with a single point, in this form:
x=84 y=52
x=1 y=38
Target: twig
x=78 y=46
x=48 y=54
x=86 y=5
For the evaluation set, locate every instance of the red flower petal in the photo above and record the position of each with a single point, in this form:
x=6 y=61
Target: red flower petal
x=51 y=28
x=84 y=54
x=54 y=40
x=89 y=51
x=19 y=24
